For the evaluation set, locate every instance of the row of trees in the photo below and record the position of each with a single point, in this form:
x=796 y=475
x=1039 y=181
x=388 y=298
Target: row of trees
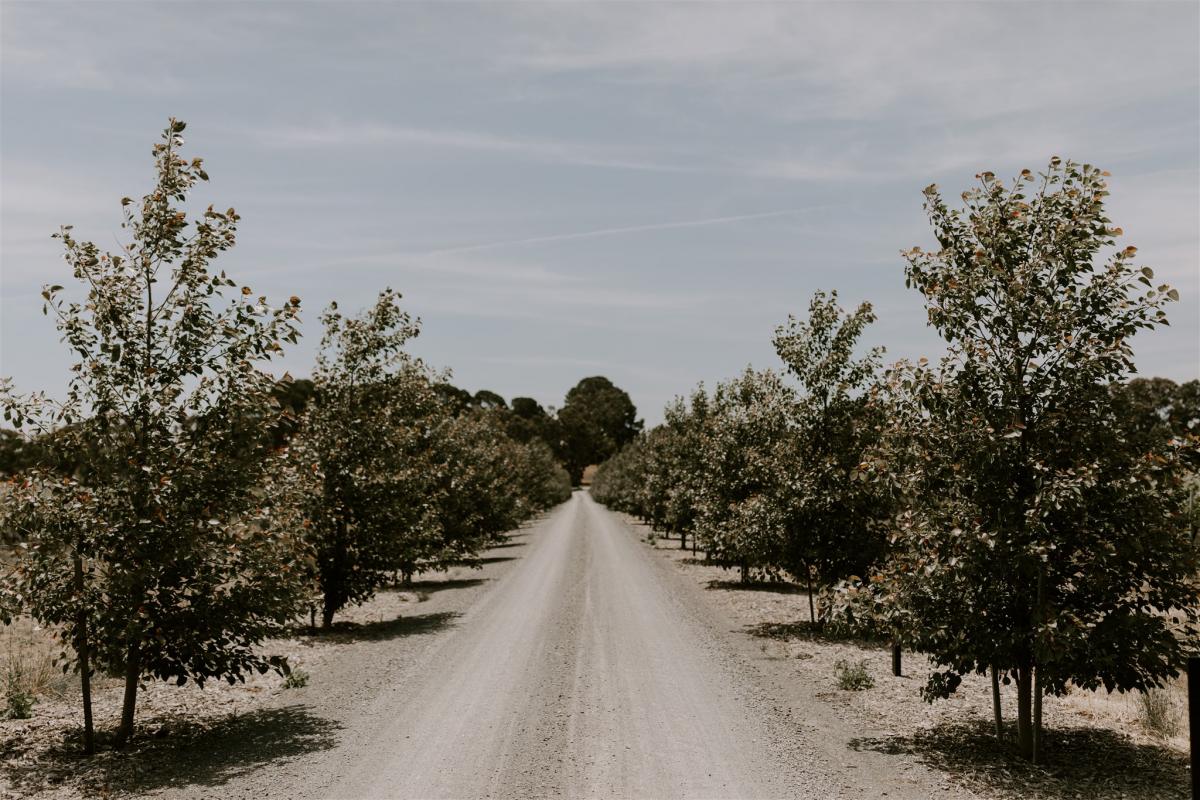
x=1019 y=507
x=596 y=420
x=180 y=505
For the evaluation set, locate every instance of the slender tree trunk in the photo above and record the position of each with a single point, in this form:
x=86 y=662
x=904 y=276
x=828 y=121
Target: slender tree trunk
x=133 y=671
x=996 y=712
x=682 y=540
x=1035 y=755
x=81 y=649
x=1037 y=716
x=812 y=609
x=1025 y=711
x=745 y=573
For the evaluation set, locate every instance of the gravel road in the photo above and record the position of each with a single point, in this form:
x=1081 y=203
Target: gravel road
x=578 y=674
x=579 y=665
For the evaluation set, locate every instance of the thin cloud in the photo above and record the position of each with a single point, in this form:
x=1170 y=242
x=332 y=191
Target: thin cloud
x=372 y=134
x=602 y=232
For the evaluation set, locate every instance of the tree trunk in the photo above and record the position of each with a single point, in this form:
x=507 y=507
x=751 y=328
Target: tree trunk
x=683 y=540
x=1037 y=675
x=896 y=660
x=996 y=704
x=1037 y=716
x=1025 y=711
x=81 y=650
x=745 y=573
x=812 y=609
x=133 y=671
x=327 y=612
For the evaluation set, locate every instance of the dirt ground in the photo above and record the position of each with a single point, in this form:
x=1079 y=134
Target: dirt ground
x=1097 y=744
x=581 y=660
x=195 y=733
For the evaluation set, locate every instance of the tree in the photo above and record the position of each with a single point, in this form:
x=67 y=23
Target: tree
x=620 y=480
x=741 y=521
x=833 y=520
x=529 y=421
x=159 y=557
x=363 y=473
x=487 y=399
x=1036 y=536
x=487 y=485
x=596 y=420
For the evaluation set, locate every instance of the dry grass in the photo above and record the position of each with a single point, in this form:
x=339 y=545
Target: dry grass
x=28 y=661
x=1160 y=714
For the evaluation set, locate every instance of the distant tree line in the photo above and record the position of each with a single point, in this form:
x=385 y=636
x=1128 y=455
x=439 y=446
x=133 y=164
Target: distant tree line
x=1021 y=508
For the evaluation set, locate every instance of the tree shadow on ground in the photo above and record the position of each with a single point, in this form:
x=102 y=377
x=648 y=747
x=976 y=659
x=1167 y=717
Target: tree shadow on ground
x=806 y=631
x=778 y=587
x=1079 y=763
x=477 y=563
x=188 y=751
x=432 y=585
x=506 y=544
x=411 y=625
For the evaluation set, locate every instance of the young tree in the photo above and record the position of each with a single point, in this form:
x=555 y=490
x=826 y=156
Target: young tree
x=487 y=485
x=833 y=521
x=747 y=436
x=677 y=468
x=160 y=557
x=1036 y=537
x=362 y=457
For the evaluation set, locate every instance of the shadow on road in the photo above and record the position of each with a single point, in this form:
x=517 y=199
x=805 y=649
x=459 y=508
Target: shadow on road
x=1079 y=762
x=412 y=625
x=201 y=752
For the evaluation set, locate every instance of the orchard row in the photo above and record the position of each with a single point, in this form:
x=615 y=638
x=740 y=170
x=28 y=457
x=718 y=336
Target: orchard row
x=1018 y=507
x=183 y=505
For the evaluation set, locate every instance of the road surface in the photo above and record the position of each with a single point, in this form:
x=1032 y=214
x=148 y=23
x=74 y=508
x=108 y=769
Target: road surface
x=579 y=674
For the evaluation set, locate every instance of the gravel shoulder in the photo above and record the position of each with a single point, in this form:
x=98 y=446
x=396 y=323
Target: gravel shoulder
x=1097 y=747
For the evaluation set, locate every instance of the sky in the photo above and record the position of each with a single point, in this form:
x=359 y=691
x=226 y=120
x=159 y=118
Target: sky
x=642 y=191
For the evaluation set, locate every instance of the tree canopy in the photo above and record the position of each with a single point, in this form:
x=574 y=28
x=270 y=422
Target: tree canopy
x=596 y=420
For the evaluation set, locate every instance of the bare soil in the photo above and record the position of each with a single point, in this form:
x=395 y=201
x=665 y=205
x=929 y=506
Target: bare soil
x=1097 y=744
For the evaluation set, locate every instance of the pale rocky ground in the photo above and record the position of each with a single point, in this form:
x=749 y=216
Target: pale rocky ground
x=578 y=662
x=1098 y=744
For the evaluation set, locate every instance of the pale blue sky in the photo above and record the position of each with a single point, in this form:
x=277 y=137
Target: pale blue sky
x=640 y=191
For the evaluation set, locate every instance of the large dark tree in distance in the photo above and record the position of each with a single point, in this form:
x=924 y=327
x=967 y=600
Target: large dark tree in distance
x=596 y=420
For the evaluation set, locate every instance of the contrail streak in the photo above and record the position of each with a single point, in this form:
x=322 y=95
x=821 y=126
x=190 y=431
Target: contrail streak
x=566 y=237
